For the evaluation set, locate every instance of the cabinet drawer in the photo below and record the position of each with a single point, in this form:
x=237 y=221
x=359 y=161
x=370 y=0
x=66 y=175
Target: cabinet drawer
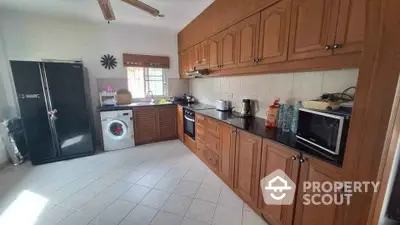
x=211 y=158
x=200 y=134
x=212 y=126
x=200 y=146
x=212 y=142
x=200 y=120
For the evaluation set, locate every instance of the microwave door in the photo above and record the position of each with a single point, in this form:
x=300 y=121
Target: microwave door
x=321 y=130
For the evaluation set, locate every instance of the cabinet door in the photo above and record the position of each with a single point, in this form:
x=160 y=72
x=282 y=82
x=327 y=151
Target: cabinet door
x=204 y=54
x=214 y=53
x=212 y=126
x=317 y=171
x=312 y=28
x=145 y=125
x=166 y=122
x=247 y=40
x=228 y=48
x=179 y=119
x=247 y=156
x=273 y=157
x=350 y=27
x=197 y=54
x=190 y=59
x=227 y=141
x=211 y=159
x=274 y=33
x=182 y=64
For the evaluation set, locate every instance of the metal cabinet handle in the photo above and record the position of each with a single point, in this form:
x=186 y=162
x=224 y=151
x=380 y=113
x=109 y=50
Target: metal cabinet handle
x=327 y=47
x=191 y=120
x=303 y=160
x=336 y=46
x=294 y=158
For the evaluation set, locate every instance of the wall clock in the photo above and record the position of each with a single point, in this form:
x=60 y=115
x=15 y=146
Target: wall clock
x=108 y=61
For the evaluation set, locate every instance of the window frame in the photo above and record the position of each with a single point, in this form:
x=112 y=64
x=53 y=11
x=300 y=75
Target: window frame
x=147 y=80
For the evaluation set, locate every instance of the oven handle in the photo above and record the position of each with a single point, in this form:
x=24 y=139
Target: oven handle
x=191 y=120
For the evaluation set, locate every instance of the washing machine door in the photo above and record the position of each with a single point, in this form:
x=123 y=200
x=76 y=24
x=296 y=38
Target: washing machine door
x=117 y=129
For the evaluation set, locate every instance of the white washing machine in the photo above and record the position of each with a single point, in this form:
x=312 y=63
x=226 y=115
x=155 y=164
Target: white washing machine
x=117 y=129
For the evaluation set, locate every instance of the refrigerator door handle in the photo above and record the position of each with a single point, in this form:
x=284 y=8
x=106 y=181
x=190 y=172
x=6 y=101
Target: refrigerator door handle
x=52 y=112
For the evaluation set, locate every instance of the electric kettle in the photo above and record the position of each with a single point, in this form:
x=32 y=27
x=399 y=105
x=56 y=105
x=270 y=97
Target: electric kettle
x=246 y=108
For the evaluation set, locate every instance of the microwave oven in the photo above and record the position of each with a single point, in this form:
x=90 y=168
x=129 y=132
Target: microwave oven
x=325 y=131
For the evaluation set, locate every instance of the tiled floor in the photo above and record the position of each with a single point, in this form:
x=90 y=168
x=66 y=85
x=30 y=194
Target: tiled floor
x=157 y=184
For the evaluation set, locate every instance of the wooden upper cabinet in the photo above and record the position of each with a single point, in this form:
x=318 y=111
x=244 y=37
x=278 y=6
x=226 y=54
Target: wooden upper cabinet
x=197 y=54
x=247 y=40
x=312 y=28
x=273 y=157
x=314 y=170
x=274 y=33
x=182 y=64
x=214 y=52
x=146 y=129
x=350 y=27
x=228 y=48
x=179 y=119
x=190 y=59
x=227 y=150
x=247 y=156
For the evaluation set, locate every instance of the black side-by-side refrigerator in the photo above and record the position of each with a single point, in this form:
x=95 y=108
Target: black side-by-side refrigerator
x=54 y=104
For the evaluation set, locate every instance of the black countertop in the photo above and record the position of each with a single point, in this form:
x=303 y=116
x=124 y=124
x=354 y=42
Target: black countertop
x=253 y=125
x=194 y=107
x=197 y=106
x=130 y=106
x=256 y=126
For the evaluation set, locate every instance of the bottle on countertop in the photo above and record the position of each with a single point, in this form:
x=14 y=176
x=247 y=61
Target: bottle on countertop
x=295 y=118
x=272 y=114
x=280 y=116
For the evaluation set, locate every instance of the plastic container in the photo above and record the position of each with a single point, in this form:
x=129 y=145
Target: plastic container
x=280 y=116
x=295 y=118
x=288 y=116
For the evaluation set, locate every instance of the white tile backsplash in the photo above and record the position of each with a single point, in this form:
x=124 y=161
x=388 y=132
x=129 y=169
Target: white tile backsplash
x=265 y=88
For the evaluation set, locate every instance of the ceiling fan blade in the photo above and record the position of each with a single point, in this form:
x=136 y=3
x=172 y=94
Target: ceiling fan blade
x=144 y=7
x=107 y=10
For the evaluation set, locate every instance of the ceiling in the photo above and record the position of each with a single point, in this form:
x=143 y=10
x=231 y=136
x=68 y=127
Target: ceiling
x=178 y=13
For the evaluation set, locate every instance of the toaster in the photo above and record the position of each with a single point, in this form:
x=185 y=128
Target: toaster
x=222 y=105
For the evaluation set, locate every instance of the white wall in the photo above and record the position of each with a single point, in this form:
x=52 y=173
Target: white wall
x=34 y=37
x=266 y=88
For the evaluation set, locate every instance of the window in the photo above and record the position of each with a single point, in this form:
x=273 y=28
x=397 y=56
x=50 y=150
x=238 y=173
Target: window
x=141 y=80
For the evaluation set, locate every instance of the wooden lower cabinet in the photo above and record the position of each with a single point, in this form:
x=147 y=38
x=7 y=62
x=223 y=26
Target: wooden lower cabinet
x=190 y=143
x=274 y=157
x=247 y=156
x=179 y=121
x=243 y=159
x=145 y=125
x=227 y=153
x=212 y=159
x=154 y=123
x=166 y=122
x=319 y=171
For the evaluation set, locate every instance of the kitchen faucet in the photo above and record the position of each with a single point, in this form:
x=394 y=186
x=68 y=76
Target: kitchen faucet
x=150 y=93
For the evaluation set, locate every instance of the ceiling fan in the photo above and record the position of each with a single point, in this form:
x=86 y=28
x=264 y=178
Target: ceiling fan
x=108 y=12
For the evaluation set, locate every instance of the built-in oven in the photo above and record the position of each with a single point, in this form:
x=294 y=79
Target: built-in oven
x=189 y=123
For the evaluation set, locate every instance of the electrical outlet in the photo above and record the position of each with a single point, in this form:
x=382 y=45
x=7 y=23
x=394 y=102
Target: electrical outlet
x=230 y=95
